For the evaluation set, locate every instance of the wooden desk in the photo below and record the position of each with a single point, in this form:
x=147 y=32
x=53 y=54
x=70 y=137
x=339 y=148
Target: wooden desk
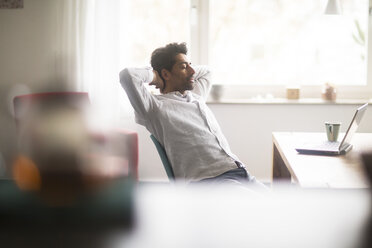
x=344 y=171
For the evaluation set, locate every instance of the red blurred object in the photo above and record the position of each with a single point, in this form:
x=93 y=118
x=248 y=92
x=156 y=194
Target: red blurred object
x=118 y=138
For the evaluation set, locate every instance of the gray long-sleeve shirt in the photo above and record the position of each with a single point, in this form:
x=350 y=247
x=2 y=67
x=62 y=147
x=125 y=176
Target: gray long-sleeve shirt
x=183 y=124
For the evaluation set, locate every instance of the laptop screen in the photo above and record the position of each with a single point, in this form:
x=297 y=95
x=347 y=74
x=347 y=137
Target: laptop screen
x=353 y=125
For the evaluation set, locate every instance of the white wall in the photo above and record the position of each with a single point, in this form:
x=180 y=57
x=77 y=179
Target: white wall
x=27 y=57
x=28 y=43
x=248 y=129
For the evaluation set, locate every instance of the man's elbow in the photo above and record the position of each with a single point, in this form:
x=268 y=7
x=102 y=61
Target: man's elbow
x=124 y=75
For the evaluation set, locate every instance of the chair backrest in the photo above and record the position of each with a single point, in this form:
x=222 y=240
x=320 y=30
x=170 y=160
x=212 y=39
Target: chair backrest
x=22 y=103
x=164 y=158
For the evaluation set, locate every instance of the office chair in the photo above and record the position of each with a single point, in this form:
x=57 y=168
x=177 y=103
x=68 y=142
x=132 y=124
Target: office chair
x=164 y=158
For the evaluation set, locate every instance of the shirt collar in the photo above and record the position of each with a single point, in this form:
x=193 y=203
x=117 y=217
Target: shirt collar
x=184 y=95
x=187 y=96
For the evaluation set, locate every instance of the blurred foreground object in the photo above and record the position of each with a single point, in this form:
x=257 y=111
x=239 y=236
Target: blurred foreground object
x=367 y=238
x=67 y=175
x=229 y=216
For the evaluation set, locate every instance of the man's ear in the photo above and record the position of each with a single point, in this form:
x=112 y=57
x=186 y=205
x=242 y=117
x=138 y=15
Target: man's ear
x=165 y=74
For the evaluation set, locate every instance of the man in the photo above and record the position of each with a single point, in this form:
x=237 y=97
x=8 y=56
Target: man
x=180 y=119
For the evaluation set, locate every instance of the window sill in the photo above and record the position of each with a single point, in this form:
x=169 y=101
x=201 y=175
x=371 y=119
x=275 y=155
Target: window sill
x=304 y=101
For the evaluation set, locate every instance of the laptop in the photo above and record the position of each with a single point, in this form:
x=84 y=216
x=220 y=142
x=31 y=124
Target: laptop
x=335 y=148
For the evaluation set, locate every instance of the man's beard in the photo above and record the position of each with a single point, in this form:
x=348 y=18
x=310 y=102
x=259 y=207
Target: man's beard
x=190 y=84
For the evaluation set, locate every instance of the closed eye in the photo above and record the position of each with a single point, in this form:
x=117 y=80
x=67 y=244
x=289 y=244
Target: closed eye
x=184 y=65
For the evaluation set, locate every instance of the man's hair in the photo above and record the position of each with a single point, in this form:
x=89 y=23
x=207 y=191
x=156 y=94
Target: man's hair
x=164 y=57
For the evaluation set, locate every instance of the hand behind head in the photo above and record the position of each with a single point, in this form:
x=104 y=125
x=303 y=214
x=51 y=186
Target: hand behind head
x=158 y=82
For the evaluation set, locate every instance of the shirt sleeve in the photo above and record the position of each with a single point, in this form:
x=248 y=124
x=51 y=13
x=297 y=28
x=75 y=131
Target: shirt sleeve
x=132 y=80
x=202 y=79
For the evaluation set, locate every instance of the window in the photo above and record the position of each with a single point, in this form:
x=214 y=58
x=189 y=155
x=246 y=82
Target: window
x=269 y=45
x=148 y=26
x=288 y=42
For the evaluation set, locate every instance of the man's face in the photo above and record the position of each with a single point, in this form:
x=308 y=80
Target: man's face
x=181 y=76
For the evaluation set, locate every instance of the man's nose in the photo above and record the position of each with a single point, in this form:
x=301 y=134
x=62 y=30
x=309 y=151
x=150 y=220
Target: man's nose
x=191 y=70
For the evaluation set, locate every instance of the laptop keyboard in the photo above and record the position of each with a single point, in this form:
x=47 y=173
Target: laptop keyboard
x=329 y=145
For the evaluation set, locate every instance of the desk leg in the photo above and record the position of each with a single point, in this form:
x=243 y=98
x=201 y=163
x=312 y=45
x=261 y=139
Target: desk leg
x=280 y=171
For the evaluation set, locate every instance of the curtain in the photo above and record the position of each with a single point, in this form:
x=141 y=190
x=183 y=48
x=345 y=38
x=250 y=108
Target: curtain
x=90 y=54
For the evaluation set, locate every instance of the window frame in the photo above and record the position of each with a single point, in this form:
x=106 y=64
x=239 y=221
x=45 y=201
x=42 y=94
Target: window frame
x=199 y=11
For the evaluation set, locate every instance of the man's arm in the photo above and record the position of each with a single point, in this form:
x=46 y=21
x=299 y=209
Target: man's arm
x=132 y=80
x=202 y=79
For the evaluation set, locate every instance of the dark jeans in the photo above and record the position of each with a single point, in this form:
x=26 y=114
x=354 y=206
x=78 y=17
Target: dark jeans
x=238 y=176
